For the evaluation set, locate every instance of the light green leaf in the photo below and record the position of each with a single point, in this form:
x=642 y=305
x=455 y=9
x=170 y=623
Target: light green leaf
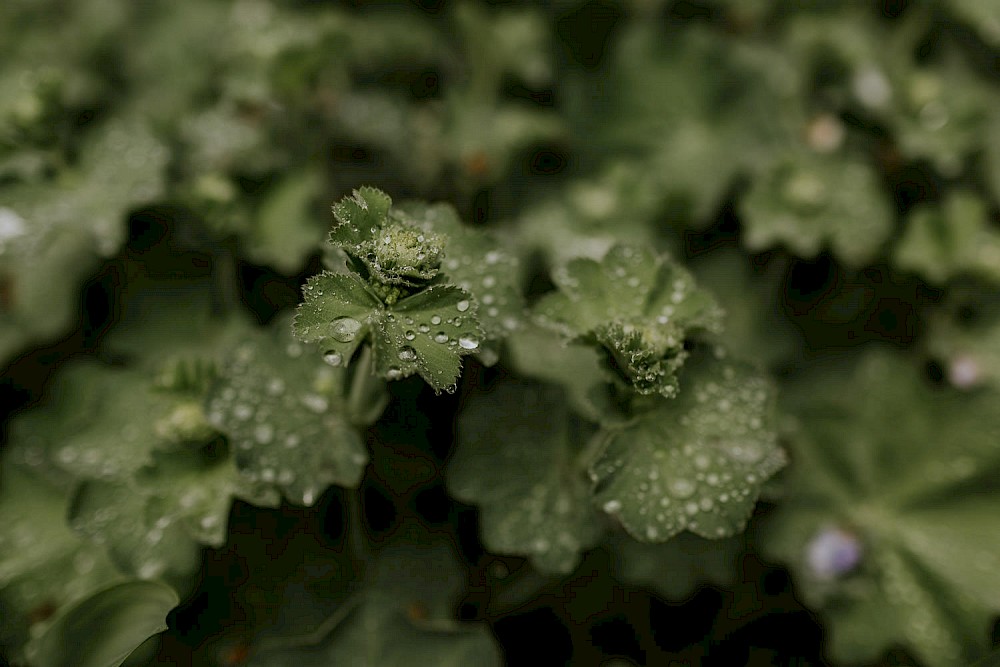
x=638 y=307
x=955 y=238
x=44 y=565
x=426 y=333
x=103 y=629
x=809 y=201
x=694 y=463
x=892 y=484
x=518 y=459
x=287 y=417
x=677 y=568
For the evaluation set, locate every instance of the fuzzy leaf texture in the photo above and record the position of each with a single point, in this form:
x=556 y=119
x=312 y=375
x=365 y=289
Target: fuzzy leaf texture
x=693 y=463
x=893 y=482
x=637 y=307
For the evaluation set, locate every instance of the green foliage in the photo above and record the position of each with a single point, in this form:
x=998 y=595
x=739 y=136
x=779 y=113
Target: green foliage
x=103 y=630
x=651 y=251
x=885 y=539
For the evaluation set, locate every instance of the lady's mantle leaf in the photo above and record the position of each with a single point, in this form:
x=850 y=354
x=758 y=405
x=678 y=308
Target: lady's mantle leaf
x=426 y=333
x=891 y=495
x=287 y=418
x=675 y=569
x=103 y=629
x=953 y=239
x=402 y=617
x=640 y=308
x=696 y=462
x=44 y=565
x=517 y=458
x=809 y=200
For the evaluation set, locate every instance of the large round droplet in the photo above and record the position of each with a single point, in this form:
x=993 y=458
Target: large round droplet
x=462 y=305
x=440 y=337
x=344 y=329
x=468 y=342
x=407 y=353
x=681 y=488
x=393 y=373
x=333 y=358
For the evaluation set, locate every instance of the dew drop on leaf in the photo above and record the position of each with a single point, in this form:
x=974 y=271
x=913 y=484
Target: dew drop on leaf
x=468 y=342
x=344 y=329
x=407 y=353
x=462 y=305
x=681 y=488
x=333 y=358
x=393 y=373
x=440 y=337
x=833 y=552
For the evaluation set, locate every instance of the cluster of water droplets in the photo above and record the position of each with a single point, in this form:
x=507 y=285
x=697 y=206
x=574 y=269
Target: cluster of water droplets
x=699 y=468
x=283 y=418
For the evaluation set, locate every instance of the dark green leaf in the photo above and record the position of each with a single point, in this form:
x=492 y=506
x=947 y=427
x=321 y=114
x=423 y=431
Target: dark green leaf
x=518 y=459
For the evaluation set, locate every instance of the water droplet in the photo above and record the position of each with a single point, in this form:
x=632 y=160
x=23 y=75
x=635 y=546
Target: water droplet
x=263 y=433
x=462 y=305
x=468 y=342
x=344 y=329
x=242 y=412
x=393 y=373
x=435 y=319
x=440 y=337
x=409 y=335
x=276 y=386
x=292 y=441
x=407 y=353
x=612 y=506
x=315 y=402
x=333 y=358
x=209 y=522
x=681 y=488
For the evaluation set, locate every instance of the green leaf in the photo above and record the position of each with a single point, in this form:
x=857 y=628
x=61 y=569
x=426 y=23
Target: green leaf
x=402 y=617
x=426 y=333
x=102 y=422
x=677 y=568
x=892 y=483
x=287 y=417
x=951 y=239
x=476 y=262
x=285 y=232
x=103 y=629
x=639 y=308
x=518 y=459
x=696 y=462
x=809 y=201
x=44 y=565
x=140 y=537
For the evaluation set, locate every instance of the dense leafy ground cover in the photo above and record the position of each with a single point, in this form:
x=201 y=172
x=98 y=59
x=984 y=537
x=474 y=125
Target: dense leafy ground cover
x=641 y=332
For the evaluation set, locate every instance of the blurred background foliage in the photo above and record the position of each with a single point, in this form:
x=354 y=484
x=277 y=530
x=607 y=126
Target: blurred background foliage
x=830 y=171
